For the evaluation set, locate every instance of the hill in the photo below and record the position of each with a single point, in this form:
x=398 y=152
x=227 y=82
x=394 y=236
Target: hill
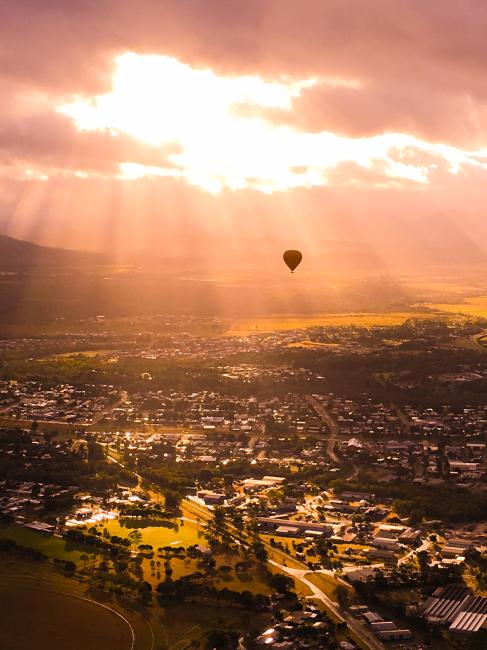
x=17 y=254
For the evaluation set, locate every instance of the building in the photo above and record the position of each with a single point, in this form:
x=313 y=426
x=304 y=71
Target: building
x=304 y=528
x=211 y=498
x=457 y=608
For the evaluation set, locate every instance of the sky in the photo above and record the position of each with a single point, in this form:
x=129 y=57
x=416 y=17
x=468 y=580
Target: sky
x=129 y=124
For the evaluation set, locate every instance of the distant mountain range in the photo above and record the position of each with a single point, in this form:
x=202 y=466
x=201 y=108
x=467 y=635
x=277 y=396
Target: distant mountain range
x=355 y=268
x=16 y=254
x=342 y=245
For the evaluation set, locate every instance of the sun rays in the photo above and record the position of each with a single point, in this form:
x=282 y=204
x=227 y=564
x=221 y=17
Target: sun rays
x=163 y=102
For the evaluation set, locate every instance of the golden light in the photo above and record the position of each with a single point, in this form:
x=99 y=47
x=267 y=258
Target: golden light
x=159 y=101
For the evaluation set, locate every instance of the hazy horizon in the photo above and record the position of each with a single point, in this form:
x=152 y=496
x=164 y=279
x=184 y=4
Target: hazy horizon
x=201 y=130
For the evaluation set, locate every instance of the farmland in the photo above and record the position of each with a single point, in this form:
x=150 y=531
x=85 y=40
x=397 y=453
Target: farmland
x=472 y=307
x=247 y=326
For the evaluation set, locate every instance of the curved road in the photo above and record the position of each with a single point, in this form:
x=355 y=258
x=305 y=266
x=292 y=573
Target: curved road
x=367 y=639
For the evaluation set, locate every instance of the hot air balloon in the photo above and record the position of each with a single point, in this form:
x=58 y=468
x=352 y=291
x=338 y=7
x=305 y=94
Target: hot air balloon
x=292 y=259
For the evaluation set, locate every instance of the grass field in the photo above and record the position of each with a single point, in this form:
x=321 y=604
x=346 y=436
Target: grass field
x=252 y=581
x=472 y=307
x=157 y=536
x=325 y=583
x=51 y=546
x=247 y=326
x=187 y=535
x=161 y=627
x=188 y=623
x=32 y=617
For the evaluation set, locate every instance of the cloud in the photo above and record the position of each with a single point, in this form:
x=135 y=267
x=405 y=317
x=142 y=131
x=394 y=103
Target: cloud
x=376 y=108
x=379 y=67
x=34 y=135
x=70 y=45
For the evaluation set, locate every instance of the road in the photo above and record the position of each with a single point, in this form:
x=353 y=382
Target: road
x=368 y=640
x=111 y=459
x=330 y=423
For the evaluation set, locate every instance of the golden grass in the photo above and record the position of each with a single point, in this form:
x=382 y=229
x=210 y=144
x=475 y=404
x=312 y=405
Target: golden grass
x=162 y=535
x=247 y=326
x=476 y=306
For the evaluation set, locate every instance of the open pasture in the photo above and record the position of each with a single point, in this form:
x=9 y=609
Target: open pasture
x=475 y=307
x=248 y=326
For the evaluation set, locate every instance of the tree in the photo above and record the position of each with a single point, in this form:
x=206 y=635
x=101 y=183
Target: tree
x=260 y=551
x=145 y=592
x=423 y=560
x=342 y=596
x=205 y=476
x=135 y=537
x=172 y=500
x=221 y=640
x=281 y=583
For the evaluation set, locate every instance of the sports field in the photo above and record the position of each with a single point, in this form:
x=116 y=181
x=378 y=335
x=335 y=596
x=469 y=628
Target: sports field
x=35 y=618
x=165 y=534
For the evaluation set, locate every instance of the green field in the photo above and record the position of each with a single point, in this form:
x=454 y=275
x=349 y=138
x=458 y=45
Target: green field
x=157 y=536
x=324 y=582
x=32 y=617
x=51 y=546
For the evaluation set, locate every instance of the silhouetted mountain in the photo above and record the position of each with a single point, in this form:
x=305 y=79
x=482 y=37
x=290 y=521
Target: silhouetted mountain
x=16 y=254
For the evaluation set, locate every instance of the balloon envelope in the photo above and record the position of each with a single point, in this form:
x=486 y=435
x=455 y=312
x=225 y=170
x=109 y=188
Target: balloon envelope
x=292 y=259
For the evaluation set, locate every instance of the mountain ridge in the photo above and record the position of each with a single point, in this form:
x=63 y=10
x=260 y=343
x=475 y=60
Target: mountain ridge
x=19 y=253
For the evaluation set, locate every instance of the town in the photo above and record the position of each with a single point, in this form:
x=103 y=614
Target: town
x=343 y=519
